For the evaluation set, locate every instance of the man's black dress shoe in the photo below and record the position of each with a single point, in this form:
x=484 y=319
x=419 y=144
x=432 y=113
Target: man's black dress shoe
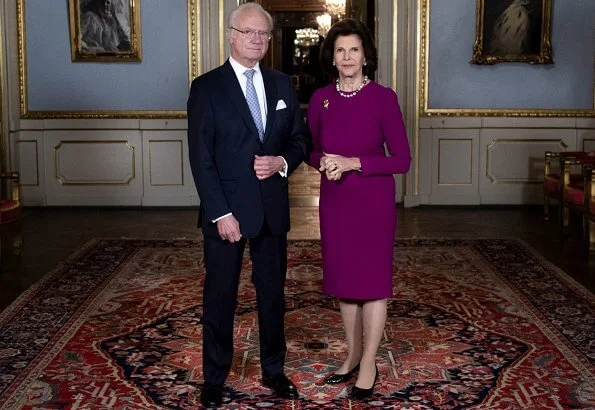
x=341 y=378
x=281 y=385
x=359 y=393
x=211 y=397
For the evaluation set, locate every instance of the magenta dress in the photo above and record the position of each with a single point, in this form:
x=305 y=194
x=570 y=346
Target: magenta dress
x=357 y=213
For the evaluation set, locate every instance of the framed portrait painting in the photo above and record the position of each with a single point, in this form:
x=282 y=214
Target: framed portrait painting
x=513 y=31
x=105 y=30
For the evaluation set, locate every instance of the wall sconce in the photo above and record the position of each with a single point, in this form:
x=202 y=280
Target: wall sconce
x=324 y=23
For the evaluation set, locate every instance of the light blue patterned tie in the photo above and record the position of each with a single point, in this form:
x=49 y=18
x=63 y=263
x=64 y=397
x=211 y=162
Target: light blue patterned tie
x=252 y=100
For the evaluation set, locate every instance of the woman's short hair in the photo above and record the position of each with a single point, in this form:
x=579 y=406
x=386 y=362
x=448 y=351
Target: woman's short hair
x=347 y=27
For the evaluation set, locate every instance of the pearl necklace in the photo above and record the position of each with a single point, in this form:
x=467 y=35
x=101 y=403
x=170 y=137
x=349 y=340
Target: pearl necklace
x=352 y=93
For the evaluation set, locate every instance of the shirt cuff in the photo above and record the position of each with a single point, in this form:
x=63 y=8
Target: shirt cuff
x=283 y=172
x=221 y=217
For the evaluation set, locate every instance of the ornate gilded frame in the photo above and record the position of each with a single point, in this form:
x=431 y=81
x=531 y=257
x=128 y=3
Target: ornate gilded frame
x=423 y=84
x=193 y=71
x=482 y=56
x=80 y=52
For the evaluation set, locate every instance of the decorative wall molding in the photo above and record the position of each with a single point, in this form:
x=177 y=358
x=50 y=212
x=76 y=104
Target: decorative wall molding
x=423 y=76
x=194 y=64
x=94 y=162
x=473 y=163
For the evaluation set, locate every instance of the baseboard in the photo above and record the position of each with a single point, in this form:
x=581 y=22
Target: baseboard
x=410 y=201
x=184 y=200
x=94 y=201
x=455 y=200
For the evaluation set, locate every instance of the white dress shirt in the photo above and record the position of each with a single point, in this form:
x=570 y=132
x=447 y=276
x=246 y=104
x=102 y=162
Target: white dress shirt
x=258 y=85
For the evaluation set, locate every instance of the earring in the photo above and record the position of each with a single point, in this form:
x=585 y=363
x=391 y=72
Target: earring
x=365 y=62
x=334 y=62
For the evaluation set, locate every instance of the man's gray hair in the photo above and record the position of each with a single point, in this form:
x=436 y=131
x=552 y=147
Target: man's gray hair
x=249 y=6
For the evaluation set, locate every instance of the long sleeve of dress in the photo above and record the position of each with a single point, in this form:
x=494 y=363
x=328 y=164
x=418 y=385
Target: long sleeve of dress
x=395 y=137
x=314 y=123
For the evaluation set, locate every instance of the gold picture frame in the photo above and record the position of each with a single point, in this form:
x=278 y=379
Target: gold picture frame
x=194 y=70
x=423 y=81
x=105 y=30
x=513 y=31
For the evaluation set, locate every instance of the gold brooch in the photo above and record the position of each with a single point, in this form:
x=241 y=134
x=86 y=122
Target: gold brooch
x=325 y=104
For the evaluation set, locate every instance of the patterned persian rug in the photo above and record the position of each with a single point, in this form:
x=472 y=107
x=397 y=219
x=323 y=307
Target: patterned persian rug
x=487 y=324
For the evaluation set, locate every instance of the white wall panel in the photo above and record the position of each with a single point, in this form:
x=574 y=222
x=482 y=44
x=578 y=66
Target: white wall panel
x=170 y=124
x=455 y=161
x=586 y=140
x=585 y=123
x=166 y=163
x=167 y=176
x=82 y=162
x=455 y=166
x=91 y=123
x=455 y=122
x=426 y=145
x=512 y=161
x=527 y=122
x=26 y=157
x=92 y=167
x=27 y=153
x=505 y=162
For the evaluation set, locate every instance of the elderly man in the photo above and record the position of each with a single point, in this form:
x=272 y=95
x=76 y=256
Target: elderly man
x=246 y=134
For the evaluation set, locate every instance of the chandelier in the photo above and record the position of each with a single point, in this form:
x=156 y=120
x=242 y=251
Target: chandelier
x=324 y=23
x=306 y=37
x=335 y=8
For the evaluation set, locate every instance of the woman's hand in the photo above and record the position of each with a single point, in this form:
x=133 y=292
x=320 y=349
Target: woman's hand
x=335 y=165
x=325 y=166
x=322 y=164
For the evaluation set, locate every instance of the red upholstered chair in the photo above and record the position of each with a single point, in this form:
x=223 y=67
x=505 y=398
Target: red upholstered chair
x=552 y=180
x=11 y=238
x=10 y=208
x=573 y=191
x=589 y=212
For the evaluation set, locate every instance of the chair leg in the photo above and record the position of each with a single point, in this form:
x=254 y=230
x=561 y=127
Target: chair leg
x=591 y=234
x=564 y=217
x=17 y=243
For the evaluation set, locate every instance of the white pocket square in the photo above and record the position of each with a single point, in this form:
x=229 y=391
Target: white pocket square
x=280 y=105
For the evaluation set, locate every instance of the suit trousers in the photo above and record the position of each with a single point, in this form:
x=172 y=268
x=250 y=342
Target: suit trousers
x=223 y=264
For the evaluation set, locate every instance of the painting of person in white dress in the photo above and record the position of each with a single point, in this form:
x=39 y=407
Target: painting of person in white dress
x=513 y=27
x=105 y=25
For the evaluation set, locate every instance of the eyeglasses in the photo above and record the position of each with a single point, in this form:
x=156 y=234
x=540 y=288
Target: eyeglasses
x=249 y=33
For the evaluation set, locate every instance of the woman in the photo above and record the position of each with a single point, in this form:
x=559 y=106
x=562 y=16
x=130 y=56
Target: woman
x=352 y=120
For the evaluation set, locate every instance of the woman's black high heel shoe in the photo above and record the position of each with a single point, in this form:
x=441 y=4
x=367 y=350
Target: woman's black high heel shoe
x=359 y=394
x=341 y=378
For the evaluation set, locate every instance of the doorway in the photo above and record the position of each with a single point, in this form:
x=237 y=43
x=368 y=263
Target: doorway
x=295 y=51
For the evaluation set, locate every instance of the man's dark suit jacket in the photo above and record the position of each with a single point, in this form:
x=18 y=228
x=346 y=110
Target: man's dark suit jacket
x=223 y=141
